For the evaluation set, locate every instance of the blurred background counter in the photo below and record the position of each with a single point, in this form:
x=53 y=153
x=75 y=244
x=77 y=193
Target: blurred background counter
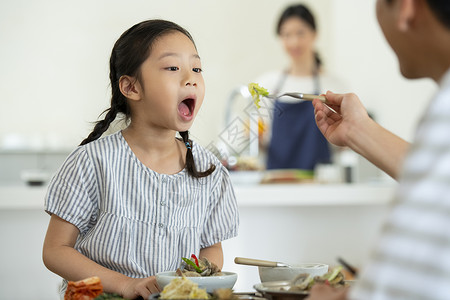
x=22 y=196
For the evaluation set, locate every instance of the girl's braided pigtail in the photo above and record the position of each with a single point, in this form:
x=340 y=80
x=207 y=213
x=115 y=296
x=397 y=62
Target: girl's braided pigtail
x=101 y=126
x=190 y=164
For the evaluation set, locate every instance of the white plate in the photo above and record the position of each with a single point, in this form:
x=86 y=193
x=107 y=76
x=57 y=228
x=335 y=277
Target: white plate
x=278 y=290
x=210 y=283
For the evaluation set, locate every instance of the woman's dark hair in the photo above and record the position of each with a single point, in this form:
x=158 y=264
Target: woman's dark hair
x=302 y=12
x=129 y=52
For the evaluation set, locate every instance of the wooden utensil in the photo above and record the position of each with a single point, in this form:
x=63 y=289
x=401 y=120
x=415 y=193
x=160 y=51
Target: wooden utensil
x=259 y=262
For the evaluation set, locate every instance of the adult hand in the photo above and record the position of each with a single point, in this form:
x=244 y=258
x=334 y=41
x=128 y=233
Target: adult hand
x=336 y=126
x=143 y=287
x=326 y=292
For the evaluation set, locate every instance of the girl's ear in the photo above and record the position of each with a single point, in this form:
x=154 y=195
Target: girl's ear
x=129 y=87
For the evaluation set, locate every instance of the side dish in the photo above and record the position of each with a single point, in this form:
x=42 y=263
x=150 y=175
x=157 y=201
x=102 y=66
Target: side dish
x=88 y=288
x=183 y=288
x=195 y=267
x=304 y=282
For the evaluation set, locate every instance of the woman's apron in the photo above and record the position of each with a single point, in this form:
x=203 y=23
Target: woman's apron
x=296 y=142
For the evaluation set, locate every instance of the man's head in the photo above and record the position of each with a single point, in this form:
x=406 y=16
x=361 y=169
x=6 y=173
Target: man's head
x=419 y=33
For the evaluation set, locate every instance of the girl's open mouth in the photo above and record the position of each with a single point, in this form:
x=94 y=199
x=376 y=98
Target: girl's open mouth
x=186 y=107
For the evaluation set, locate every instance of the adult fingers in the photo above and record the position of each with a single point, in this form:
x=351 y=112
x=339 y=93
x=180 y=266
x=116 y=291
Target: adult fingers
x=334 y=99
x=149 y=287
x=319 y=291
x=329 y=109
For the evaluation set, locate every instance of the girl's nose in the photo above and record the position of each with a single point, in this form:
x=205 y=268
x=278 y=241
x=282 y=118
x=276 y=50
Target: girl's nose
x=190 y=79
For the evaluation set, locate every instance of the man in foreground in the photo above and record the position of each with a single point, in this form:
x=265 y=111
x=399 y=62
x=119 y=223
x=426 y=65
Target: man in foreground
x=412 y=257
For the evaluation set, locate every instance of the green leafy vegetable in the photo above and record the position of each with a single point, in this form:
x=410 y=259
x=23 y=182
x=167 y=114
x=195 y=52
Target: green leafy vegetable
x=191 y=263
x=257 y=91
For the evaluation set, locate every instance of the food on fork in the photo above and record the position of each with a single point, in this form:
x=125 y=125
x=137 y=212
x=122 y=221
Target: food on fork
x=85 y=289
x=257 y=91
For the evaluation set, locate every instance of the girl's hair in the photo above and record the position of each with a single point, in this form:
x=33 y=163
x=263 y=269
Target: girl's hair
x=302 y=12
x=129 y=52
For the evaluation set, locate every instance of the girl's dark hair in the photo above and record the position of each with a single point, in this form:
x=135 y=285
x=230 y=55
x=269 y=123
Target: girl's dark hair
x=129 y=52
x=302 y=12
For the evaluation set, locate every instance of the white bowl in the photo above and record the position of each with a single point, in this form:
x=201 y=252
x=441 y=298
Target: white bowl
x=210 y=283
x=267 y=274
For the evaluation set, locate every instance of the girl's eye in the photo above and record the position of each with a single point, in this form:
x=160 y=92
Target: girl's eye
x=197 y=70
x=172 y=68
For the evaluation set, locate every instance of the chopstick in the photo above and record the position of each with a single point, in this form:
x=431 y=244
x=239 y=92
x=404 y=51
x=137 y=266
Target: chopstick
x=348 y=267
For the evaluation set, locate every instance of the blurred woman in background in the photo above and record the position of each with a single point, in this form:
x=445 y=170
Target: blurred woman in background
x=291 y=139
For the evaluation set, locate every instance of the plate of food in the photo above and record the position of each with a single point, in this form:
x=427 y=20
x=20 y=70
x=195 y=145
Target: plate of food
x=185 y=288
x=299 y=287
x=200 y=271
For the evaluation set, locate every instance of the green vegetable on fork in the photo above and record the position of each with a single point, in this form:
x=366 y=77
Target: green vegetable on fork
x=257 y=91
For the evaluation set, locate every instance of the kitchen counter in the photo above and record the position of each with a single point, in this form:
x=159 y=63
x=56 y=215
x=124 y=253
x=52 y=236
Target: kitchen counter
x=314 y=194
x=21 y=196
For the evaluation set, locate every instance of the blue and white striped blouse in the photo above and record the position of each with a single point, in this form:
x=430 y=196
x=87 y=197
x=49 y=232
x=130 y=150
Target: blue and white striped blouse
x=134 y=220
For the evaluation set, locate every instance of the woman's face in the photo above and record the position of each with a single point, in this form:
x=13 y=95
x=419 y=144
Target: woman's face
x=172 y=83
x=298 y=38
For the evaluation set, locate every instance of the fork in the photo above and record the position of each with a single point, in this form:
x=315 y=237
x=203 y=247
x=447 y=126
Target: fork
x=302 y=96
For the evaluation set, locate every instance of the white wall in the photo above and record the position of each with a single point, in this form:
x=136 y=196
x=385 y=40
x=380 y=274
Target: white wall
x=54 y=58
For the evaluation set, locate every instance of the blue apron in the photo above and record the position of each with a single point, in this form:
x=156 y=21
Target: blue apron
x=296 y=142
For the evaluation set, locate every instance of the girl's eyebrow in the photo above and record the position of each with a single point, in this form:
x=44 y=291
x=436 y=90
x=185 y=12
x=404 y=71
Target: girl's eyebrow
x=176 y=54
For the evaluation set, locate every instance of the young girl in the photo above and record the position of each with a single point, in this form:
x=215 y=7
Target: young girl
x=129 y=205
